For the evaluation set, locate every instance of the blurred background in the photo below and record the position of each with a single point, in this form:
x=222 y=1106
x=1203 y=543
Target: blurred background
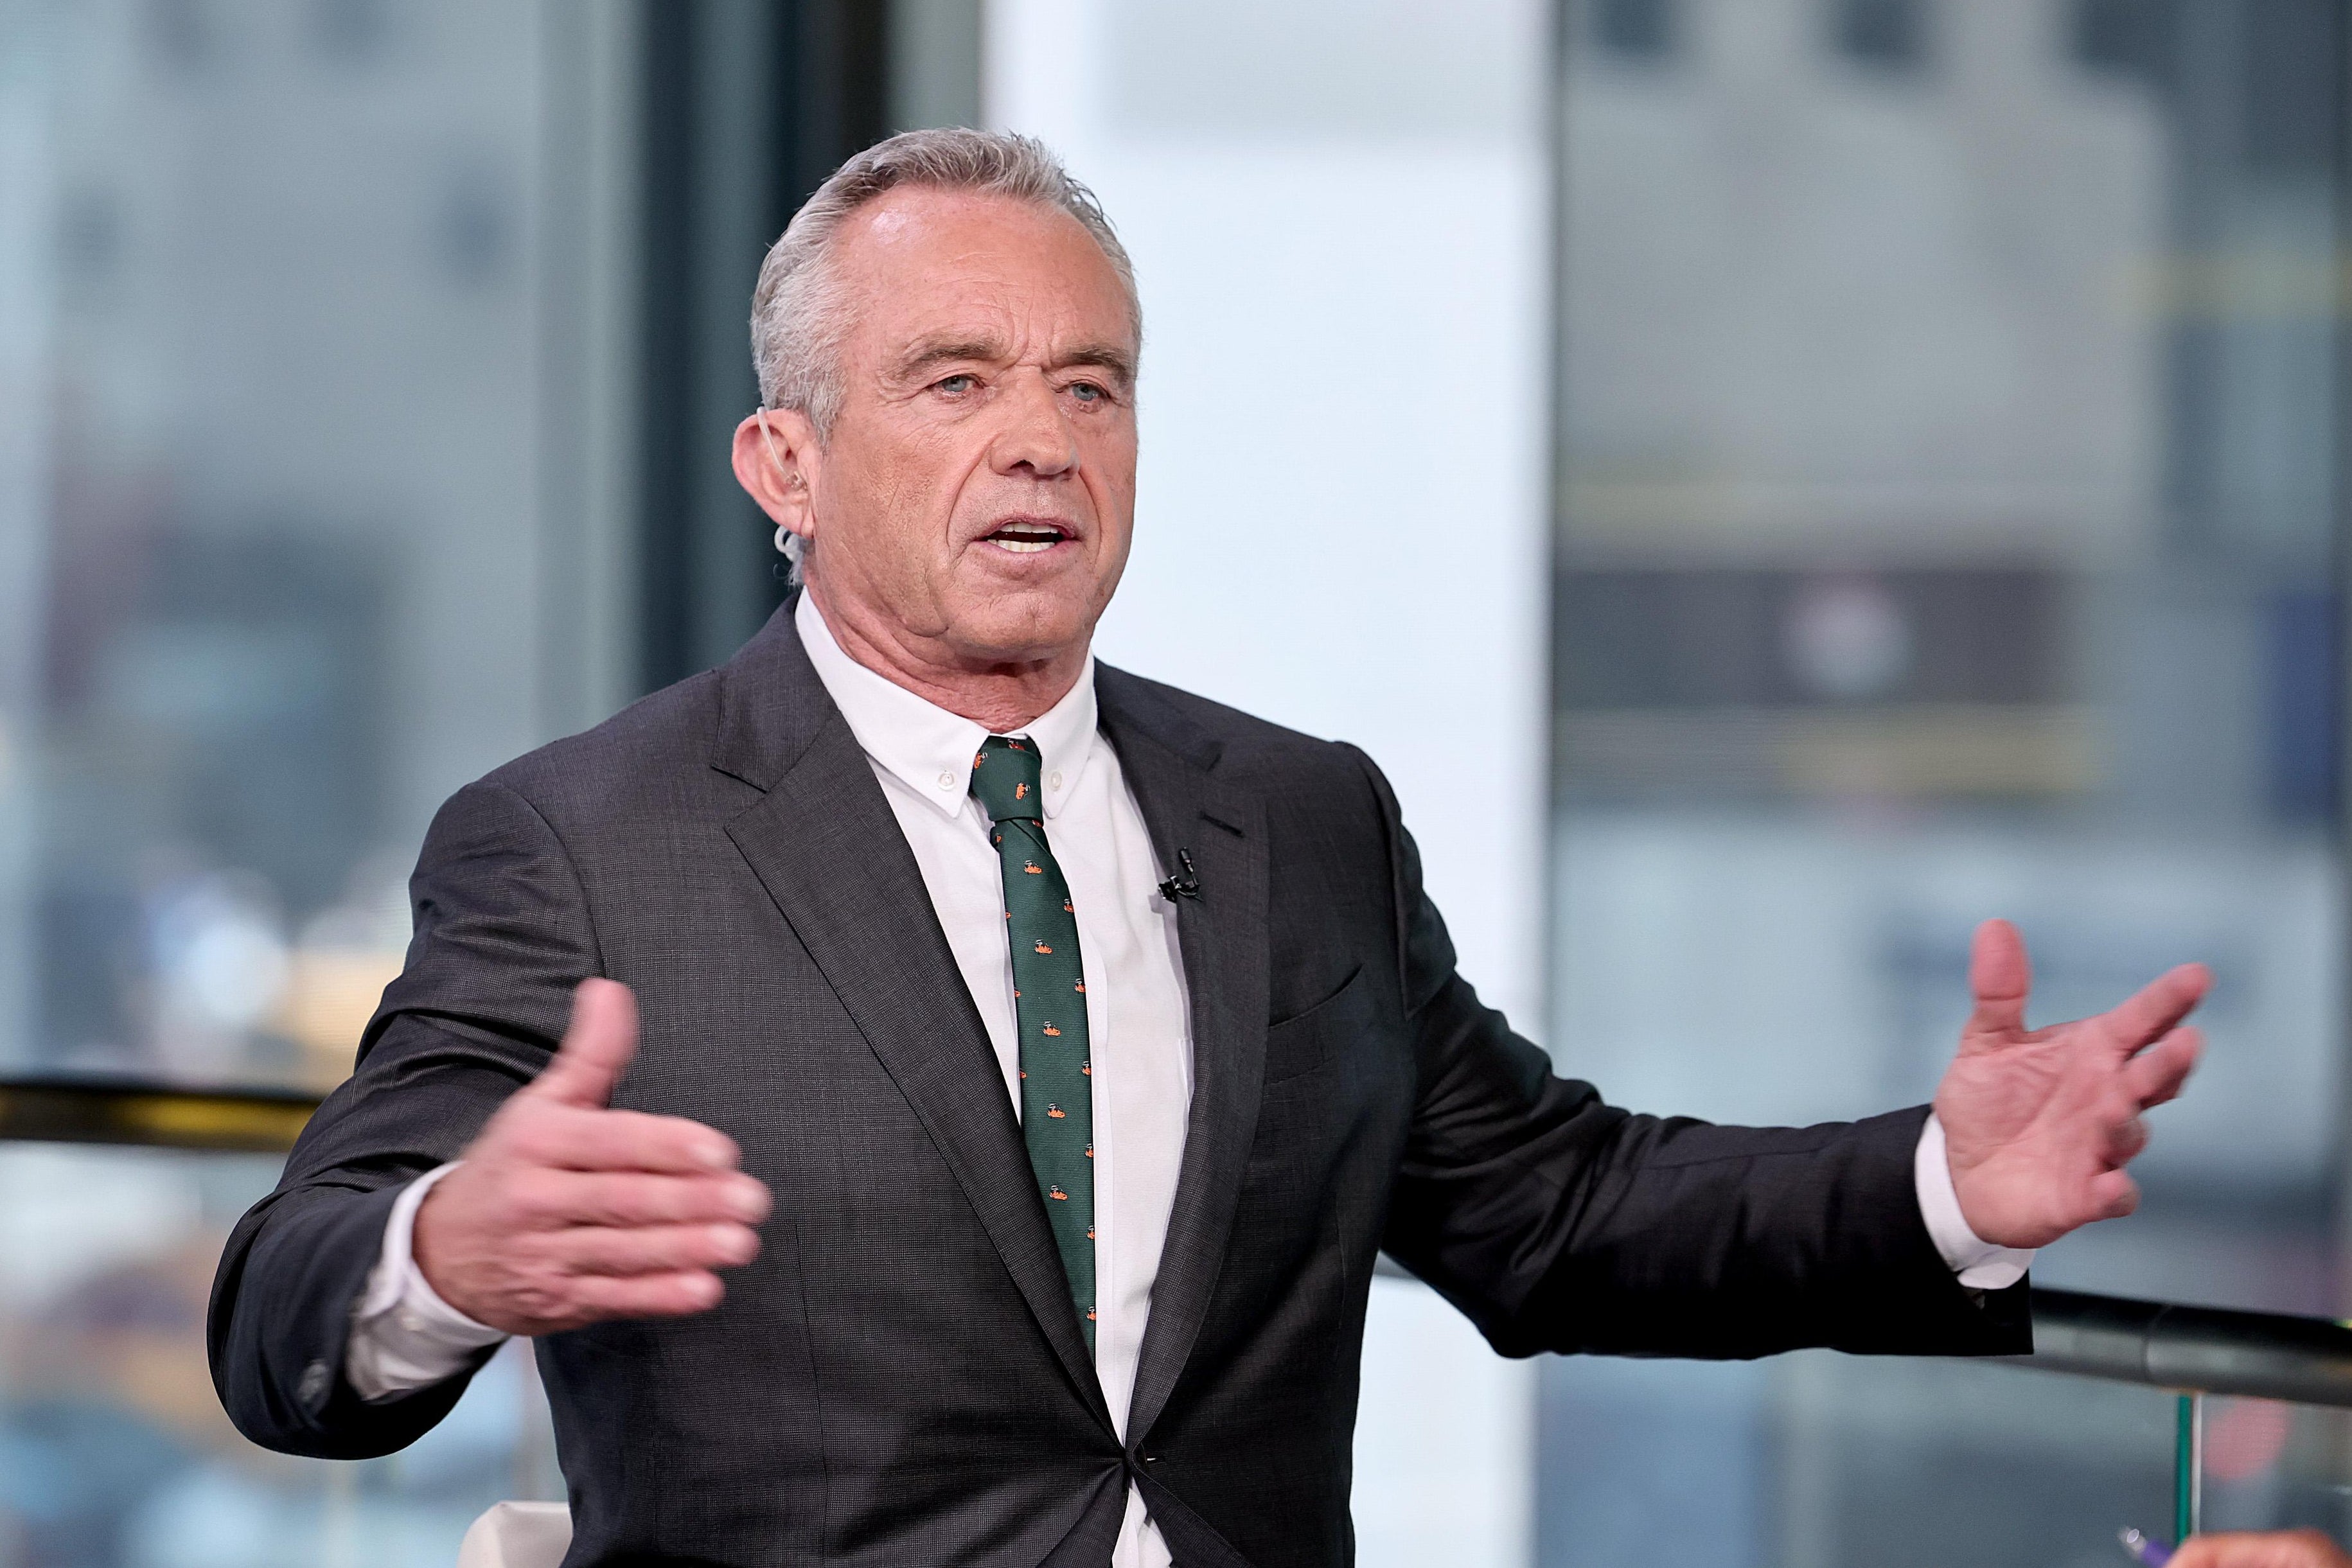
x=1774 y=481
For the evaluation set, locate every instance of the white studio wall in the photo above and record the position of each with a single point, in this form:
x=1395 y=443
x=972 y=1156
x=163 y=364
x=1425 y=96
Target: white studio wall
x=1340 y=229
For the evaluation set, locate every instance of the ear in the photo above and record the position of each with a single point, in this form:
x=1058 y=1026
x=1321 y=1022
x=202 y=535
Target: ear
x=776 y=455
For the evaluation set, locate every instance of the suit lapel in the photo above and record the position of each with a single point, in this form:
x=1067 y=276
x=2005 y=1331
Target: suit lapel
x=825 y=844
x=1223 y=935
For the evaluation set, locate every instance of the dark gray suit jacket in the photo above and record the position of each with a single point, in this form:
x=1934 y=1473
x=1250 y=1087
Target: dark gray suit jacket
x=900 y=1378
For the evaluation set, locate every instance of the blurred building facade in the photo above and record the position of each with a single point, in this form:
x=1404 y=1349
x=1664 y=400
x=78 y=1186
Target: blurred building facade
x=357 y=366
x=1774 y=481
x=1950 y=521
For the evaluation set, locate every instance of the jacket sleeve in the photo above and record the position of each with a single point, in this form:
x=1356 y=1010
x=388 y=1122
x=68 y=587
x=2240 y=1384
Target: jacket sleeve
x=502 y=936
x=1559 y=1222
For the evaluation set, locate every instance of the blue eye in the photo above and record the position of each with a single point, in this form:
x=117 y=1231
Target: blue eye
x=1086 y=392
x=956 y=385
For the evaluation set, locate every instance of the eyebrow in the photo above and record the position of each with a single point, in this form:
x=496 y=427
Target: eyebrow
x=930 y=354
x=1102 y=356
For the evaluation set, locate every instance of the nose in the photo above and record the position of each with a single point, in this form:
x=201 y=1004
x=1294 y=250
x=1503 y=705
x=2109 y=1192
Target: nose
x=1035 y=439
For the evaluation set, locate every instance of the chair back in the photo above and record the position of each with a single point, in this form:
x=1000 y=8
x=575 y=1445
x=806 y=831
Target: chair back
x=518 y=1535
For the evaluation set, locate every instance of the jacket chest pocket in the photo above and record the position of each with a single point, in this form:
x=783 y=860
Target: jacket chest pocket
x=1306 y=1041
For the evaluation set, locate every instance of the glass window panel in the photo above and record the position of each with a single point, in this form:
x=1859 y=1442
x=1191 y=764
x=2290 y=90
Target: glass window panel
x=1947 y=525
x=114 y=1452
x=272 y=290
x=280 y=515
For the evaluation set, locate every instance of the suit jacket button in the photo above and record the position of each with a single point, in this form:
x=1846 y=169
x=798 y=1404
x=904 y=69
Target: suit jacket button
x=312 y=1389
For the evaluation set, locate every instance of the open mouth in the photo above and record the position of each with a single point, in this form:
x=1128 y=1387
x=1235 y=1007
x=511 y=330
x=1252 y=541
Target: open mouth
x=1027 y=538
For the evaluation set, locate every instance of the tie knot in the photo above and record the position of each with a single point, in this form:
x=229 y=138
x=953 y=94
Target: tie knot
x=1004 y=779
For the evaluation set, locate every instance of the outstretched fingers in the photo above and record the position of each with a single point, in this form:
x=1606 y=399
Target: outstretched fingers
x=2158 y=1007
x=2113 y=1195
x=676 y=1295
x=2156 y=1074
x=2125 y=1141
x=567 y=1138
x=560 y=1199
x=656 y=1248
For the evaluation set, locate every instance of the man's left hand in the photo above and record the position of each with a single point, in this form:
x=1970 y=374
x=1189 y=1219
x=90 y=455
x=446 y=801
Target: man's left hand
x=2039 y=1123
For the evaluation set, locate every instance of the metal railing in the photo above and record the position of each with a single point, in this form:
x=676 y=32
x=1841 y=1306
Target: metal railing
x=124 y=1111
x=2194 y=1351
x=2203 y=1349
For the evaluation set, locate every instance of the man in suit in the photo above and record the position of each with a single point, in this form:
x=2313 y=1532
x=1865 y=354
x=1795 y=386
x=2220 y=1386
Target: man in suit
x=1047 y=1053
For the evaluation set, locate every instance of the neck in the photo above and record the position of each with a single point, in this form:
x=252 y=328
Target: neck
x=1001 y=696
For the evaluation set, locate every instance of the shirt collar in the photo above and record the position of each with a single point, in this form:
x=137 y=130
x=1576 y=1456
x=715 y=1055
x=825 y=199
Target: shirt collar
x=929 y=749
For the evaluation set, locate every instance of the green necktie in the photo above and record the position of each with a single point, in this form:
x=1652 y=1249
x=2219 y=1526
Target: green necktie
x=1049 y=1005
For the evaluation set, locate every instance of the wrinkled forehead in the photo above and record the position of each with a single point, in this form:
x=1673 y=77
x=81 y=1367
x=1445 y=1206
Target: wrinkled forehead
x=924 y=264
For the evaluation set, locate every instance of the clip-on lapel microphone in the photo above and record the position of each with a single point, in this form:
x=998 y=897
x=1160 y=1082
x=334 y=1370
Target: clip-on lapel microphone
x=1187 y=885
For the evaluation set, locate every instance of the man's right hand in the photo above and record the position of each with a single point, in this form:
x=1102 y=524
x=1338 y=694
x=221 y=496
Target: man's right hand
x=566 y=1212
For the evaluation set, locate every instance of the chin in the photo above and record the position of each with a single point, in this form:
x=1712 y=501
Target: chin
x=1016 y=629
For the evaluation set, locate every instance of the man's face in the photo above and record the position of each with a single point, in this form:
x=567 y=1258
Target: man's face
x=977 y=491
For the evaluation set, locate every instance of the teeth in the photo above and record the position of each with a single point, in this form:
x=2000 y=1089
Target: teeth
x=1025 y=539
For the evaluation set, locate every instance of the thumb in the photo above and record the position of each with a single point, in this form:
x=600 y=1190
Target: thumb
x=2001 y=975
x=597 y=1048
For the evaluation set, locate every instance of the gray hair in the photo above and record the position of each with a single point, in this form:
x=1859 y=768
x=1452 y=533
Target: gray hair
x=798 y=315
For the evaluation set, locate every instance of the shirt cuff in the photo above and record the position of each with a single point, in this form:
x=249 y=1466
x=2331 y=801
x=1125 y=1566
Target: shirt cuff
x=1981 y=1265
x=404 y=1336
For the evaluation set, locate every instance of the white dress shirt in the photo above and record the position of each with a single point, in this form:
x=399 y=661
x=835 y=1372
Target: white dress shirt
x=405 y=1337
